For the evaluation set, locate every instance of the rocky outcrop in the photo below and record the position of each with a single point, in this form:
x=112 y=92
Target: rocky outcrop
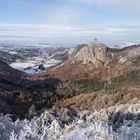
x=95 y=53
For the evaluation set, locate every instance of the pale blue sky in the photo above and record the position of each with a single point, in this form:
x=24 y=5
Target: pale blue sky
x=69 y=21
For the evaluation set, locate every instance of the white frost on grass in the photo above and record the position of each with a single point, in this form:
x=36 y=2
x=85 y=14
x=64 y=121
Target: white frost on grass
x=40 y=128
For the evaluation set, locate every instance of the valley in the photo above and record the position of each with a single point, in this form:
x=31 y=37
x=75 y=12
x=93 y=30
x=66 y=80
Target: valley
x=66 y=82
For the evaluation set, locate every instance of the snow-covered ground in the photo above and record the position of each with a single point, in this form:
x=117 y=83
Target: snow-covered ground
x=32 y=66
x=126 y=44
x=22 y=65
x=29 y=57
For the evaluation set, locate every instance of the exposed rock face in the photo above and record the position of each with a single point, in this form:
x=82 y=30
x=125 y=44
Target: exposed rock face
x=97 y=53
x=94 y=53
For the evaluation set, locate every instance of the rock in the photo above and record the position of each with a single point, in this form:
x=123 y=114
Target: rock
x=94 y=53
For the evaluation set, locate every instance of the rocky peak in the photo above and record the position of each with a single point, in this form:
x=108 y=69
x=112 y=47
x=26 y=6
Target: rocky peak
x=94 y=53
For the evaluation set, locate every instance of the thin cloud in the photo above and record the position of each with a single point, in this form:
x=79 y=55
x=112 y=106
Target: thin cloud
x=119 y=4
x=39 y=32
x=125 y=11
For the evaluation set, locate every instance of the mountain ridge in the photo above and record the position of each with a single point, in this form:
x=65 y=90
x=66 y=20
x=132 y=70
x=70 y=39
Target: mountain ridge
x=101 y=60
x=115 y=77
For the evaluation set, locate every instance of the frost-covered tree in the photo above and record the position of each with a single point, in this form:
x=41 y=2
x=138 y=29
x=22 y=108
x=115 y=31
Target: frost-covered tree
x=94 y=126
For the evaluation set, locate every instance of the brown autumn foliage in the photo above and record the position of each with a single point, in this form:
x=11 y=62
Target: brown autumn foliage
x=122 y=89
x=79 y=86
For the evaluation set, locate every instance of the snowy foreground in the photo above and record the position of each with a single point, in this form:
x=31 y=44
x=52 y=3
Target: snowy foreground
x=47 y=127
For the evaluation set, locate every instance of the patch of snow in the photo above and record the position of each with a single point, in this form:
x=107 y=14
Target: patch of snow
x=126 y=44
x=22 y=65
x=12 y=52
x=31 y=66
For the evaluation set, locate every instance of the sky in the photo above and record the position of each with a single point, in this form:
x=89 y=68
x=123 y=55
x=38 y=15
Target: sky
x=69 y=21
